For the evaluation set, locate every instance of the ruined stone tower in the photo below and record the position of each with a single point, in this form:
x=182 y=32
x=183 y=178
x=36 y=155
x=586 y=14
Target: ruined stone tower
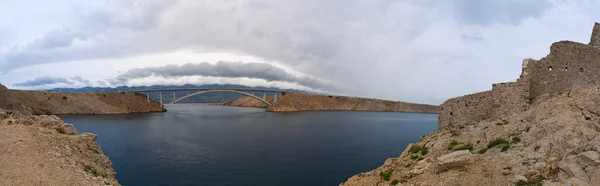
x=569 y=64
x=595 y=39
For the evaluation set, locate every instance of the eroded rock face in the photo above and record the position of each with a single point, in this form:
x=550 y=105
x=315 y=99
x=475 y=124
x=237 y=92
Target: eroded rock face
x=43 y=150
x=8 y=102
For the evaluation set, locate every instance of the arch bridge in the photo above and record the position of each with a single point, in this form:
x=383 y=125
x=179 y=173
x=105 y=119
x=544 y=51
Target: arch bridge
x=250 y=92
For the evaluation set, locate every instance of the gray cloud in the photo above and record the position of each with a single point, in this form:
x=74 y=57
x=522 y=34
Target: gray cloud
x=471 y=37
x=46 y=81
x=411 y=50
x=223 y=69
x=488 y=12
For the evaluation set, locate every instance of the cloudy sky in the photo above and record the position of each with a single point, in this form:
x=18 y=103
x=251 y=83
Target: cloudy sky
x=422 y=51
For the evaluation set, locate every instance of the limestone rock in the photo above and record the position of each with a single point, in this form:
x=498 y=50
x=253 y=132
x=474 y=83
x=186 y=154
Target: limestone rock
x=573 y=170
x=591 y=156
x=90 y=136
x=453 y=160
x=50 y=121
x=520 y=178
x=68 y=129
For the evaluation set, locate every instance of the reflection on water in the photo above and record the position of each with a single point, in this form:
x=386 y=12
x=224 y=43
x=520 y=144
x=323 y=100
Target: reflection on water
x=196 y=144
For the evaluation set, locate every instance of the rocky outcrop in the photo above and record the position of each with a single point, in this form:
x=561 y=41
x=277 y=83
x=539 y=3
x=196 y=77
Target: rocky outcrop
x=48 y=102
x=8 y=102
x=292 y=102
x=43 y=150
x=542 y=129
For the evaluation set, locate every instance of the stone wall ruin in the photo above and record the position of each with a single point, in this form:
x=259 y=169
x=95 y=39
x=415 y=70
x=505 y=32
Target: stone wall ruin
x=568 y=64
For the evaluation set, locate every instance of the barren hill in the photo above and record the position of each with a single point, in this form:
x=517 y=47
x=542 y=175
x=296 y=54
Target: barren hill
x=291 y=102
x=47 y=102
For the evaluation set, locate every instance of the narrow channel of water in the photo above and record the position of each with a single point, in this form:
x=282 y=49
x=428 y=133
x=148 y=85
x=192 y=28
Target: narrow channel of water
x=198 y=144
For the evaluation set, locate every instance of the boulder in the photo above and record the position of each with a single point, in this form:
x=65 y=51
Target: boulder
x=452 y=160
x=67 y=129
x=50 y=121
x=573 y=170
x=90 y=136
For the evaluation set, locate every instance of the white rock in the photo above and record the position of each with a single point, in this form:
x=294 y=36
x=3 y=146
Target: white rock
x=539 y=166
x=520 y=177
x=453 y=160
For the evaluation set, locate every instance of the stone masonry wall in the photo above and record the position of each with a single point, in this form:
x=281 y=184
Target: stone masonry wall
x=569 y=64
x=508 y=99
x=595 y=39
x=465 y=110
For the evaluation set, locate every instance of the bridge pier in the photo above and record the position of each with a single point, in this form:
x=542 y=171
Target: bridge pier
x=274 y=97
x=265 y=95
x=161 y=103
x=148 y=96
x=174 y=97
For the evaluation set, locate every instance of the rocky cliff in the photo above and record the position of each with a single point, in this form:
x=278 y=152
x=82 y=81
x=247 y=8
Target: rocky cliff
x=8 y=101
x=43 y=150
x=291 y=102
x=47 y=102
x=543 y=129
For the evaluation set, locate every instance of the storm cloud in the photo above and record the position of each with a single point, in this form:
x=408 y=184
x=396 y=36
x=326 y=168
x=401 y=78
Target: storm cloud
x=46 y=81
x=223 y=69
x=410 y=50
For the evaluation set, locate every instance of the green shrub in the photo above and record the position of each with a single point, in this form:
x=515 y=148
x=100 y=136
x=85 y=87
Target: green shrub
x=414 y=157
x=505 y=148
x=452 y=144
x=386 y=175
x=536 y=182
x=395 y=182
x=482 y=151
x=537 y=147
x=465 y=147
x=89 y=169
x=64 y=97
x=516 y=139
x=414 y=149
x=496 y=142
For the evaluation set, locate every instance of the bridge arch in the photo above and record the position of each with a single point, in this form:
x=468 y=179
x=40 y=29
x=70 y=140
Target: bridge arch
x=208 y=91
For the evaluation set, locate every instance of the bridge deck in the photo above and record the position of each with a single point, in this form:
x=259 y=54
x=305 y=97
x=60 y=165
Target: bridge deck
x=205 y=89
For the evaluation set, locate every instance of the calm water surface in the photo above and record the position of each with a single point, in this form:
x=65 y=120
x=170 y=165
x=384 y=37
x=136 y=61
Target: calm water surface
x=197 y=144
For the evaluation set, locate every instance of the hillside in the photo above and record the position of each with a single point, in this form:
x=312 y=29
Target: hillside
x=557 y=139
x=8 y=101
x=292 y=102
x=49 y=103
x=42 y=150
